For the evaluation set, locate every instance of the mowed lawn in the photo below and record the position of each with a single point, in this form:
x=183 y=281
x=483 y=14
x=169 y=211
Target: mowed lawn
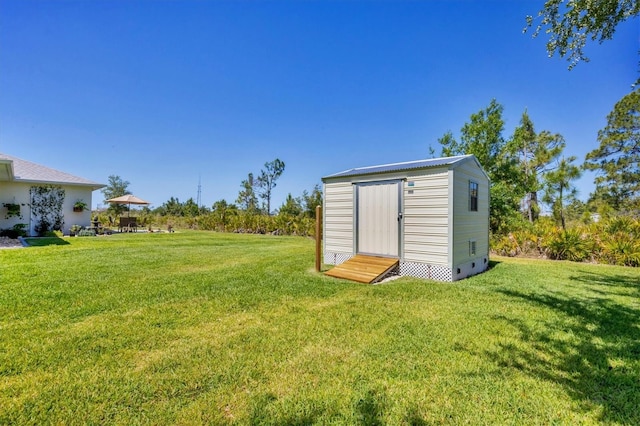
x=207 y=328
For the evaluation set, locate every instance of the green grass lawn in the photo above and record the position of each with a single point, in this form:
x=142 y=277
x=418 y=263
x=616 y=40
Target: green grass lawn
x=192 y=328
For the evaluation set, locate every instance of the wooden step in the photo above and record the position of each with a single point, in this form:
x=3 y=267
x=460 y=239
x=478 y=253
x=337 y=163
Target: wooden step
x=364 y=269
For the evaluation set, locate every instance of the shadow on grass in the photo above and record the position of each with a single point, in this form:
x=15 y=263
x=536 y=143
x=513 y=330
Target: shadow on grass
x=592 y=350
x=612 y=281
x=368 y=410
x=46 y=241
x=493 y=264
x=261 y=414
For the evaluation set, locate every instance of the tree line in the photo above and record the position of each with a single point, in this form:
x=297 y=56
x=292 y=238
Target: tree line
x=252 y=211
x=529 y=170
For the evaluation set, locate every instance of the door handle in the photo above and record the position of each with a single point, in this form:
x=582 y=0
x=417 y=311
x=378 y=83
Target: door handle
x=399 y=216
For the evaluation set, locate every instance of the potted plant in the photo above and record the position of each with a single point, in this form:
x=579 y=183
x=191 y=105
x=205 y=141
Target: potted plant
x=80 y=206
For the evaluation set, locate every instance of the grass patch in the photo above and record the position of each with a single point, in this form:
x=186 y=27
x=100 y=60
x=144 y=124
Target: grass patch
x=223 y=328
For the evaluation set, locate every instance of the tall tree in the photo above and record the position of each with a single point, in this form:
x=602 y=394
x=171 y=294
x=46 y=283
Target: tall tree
x=617 y=159
x=482 y=137
x=291 y=206
x=172 y=207
x=247 y=199
x=570 y=23
x=534 y=152
x=450 y=146
x=117 y=187
x=222 y=212
x=267 y=180
x=559 y=187
x=190 y=208
x=311 y=200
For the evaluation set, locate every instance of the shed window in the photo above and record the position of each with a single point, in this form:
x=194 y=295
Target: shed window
x=473 y=196
x=472 y=248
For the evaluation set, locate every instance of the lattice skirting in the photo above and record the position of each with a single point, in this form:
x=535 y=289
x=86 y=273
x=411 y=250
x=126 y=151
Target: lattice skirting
x=422 y=270
x=331 y=258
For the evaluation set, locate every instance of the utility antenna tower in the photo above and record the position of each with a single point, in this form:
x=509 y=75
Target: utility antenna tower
x=199 y=198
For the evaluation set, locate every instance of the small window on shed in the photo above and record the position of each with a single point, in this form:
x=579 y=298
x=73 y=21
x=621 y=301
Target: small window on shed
x=472 y=248
x=473 y=196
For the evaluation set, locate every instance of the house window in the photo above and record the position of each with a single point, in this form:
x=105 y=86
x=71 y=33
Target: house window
x=472 y=248
x=473 y=196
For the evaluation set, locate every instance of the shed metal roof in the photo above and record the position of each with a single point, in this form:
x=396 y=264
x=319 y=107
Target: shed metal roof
x=26 y=171
x=395 y=167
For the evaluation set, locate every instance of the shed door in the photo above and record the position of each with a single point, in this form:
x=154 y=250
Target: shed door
x=378 y=218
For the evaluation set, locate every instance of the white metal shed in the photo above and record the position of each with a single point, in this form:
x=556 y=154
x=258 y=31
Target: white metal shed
x=432 y=215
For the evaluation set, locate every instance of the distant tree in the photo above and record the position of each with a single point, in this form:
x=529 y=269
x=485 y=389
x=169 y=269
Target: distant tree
x=247 y=199
x=482 y=137
x=190 y=208
x=291 y=206
x=267 y=180
x=601 y=202
x=449 y=145
x=222 y=212
x=617 y=159
x=576 y=210
x=559 y=188
x=534 y=153
x=172 y=207
x=117 y=187
x=311 y=200
x=570 y=23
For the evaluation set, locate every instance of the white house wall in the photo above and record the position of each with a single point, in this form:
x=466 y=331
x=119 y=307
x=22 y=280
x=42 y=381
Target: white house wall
x=18 y=193
x=73 y=194
x=14 y=193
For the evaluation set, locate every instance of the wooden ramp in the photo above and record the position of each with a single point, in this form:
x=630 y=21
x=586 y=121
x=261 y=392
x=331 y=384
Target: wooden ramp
x=364 y=269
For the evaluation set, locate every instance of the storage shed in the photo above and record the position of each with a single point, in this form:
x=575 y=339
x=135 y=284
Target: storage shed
x=432 y=216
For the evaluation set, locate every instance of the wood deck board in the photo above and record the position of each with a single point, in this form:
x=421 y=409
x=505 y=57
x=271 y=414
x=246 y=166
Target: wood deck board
x=363 y=269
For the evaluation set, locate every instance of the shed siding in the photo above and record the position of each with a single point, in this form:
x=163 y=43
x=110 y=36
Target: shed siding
x=426 y=221
x=470 y=225
x=338 y=217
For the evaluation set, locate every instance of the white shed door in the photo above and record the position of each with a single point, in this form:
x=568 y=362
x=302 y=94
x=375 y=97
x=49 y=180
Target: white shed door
x=378 y=223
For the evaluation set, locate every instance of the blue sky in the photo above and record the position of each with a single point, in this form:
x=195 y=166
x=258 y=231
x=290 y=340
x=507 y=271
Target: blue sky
x=164 y=93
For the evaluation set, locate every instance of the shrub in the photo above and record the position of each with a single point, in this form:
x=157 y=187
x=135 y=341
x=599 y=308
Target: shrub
x=87 y=233
x=42 y=227
x=18 y=230
x=505 y=245
x=621 y=248
x=10 y=233
x=620 y=224
x=567 y=245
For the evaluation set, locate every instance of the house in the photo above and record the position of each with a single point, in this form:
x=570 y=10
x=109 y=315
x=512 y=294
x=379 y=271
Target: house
x=18 y=177
x=431 y=215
